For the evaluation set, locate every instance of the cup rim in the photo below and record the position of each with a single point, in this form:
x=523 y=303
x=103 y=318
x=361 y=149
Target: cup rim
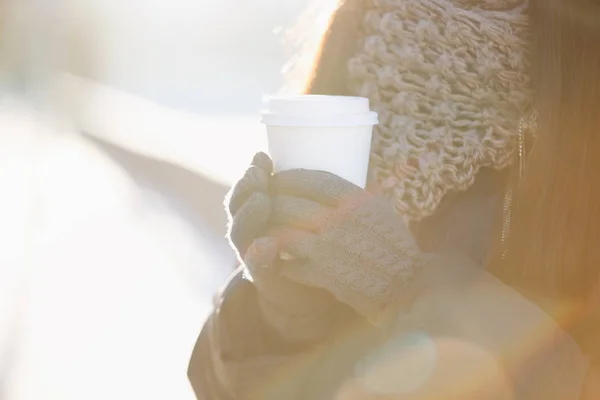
x=338 y=120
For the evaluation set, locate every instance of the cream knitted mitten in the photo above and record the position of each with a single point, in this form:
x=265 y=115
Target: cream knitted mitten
x=297 y=311
x=248 y=204
x=341 y=239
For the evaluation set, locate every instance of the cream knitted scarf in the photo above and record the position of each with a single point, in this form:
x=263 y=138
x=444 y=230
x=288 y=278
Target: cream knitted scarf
x=449 y=81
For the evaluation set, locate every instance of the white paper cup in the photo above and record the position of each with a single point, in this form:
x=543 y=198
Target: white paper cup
x=326 y=133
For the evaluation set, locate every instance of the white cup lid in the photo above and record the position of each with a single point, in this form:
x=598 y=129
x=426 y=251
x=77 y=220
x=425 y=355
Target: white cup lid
x=318 y=110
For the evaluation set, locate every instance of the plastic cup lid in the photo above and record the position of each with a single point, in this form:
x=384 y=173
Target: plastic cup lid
x=318 y=110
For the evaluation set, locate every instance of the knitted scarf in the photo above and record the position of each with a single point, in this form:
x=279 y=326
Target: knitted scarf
x=449 y=81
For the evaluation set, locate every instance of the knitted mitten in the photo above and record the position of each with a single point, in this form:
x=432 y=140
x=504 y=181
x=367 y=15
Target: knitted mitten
x=342 y=239
x=298 y=312
x=248 y=204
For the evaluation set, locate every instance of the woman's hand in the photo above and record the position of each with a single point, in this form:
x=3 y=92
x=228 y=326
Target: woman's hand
x=297 y=311
x=337 y=236
x=342 y=239
x=248 y=204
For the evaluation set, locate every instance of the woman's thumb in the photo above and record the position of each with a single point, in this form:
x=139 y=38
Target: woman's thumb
x=261 y=254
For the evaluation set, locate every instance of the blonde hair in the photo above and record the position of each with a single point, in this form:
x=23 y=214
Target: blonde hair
x=554 y=242
x=303 y=43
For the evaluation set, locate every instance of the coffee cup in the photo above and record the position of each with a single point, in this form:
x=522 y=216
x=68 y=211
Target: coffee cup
x=318 y=132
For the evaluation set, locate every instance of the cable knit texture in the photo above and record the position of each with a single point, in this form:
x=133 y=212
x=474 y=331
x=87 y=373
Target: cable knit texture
x=449 y=81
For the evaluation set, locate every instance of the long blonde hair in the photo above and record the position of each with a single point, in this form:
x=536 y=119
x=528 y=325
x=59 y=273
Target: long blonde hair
x=554 y=242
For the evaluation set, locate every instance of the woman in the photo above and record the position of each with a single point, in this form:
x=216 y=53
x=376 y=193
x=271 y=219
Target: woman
x=450 y=80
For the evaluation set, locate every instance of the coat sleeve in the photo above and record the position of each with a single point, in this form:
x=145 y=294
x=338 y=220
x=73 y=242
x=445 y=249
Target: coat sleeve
x=237 y=355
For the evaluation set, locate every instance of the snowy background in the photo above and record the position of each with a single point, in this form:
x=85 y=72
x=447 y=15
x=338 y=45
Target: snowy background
x=179 y=80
